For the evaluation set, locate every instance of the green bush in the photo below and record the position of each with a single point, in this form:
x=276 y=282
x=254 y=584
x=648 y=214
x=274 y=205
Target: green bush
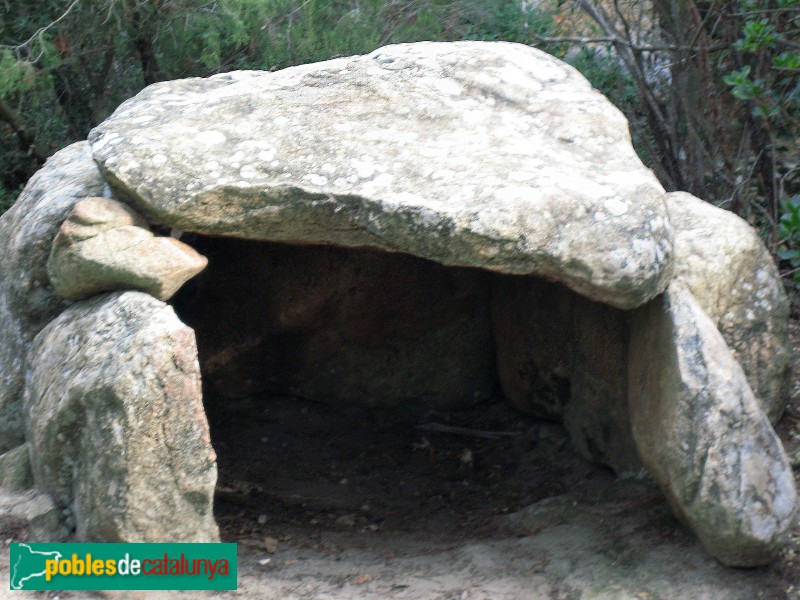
x=763 y=74
x=789 y=226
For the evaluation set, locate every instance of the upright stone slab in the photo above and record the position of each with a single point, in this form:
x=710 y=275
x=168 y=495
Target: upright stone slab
x=703 y=435
x=562 y=356
x=116 y=425
x=730 y=272
x=27 y=301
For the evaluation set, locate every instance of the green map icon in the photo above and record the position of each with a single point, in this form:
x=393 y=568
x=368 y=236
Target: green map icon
x=28 y=565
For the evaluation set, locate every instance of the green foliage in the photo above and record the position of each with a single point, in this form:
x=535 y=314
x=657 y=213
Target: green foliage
x=790 y=220
x=763 y=98
x=756 y=35
x=506 y=21
x=790 y=234
x=769 y=81
x=15 y=75
x=787 y=61
x=763 y=76
x=743 y=87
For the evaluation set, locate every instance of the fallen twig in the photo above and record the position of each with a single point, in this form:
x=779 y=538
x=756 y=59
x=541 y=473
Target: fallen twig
x=491 y=435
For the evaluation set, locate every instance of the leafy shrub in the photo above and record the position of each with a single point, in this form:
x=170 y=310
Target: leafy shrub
x=789 y=226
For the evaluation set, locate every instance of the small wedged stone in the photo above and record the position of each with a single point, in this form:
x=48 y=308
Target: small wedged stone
x=105 y=245
x=27 y=300
x=703 y=435
x=731 y=274
x=116 y=424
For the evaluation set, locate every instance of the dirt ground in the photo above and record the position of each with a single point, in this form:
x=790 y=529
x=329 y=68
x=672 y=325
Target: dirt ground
x=479 y=504
x=486 y=504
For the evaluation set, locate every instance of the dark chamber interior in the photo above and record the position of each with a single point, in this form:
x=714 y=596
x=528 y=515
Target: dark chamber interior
x=357 y=389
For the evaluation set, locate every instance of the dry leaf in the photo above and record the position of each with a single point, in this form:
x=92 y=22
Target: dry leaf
x=270 y=545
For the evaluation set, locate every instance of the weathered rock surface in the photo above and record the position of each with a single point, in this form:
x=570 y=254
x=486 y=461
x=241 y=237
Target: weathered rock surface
x=342 y=326
x=105 y=245
x=15 y=469
x=562 y=356
x=703 y=435
x=27 y=302
x=32 y=513
x=116 y=424
x=729 y=271
x=490 y=155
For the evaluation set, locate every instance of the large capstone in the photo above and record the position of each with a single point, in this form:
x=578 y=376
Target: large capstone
x=429 y=226
x=489 y=155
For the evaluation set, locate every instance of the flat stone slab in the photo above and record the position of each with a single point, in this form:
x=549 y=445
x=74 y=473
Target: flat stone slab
x=491 y=155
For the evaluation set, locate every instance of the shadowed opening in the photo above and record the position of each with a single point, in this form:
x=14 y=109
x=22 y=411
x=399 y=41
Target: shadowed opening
x=358 y=390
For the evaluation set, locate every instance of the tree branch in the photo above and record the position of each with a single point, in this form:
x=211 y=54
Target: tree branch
x=702 y=25
x=25 y=139
x=612 y=39
x=39 y=32
x=788 y=43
